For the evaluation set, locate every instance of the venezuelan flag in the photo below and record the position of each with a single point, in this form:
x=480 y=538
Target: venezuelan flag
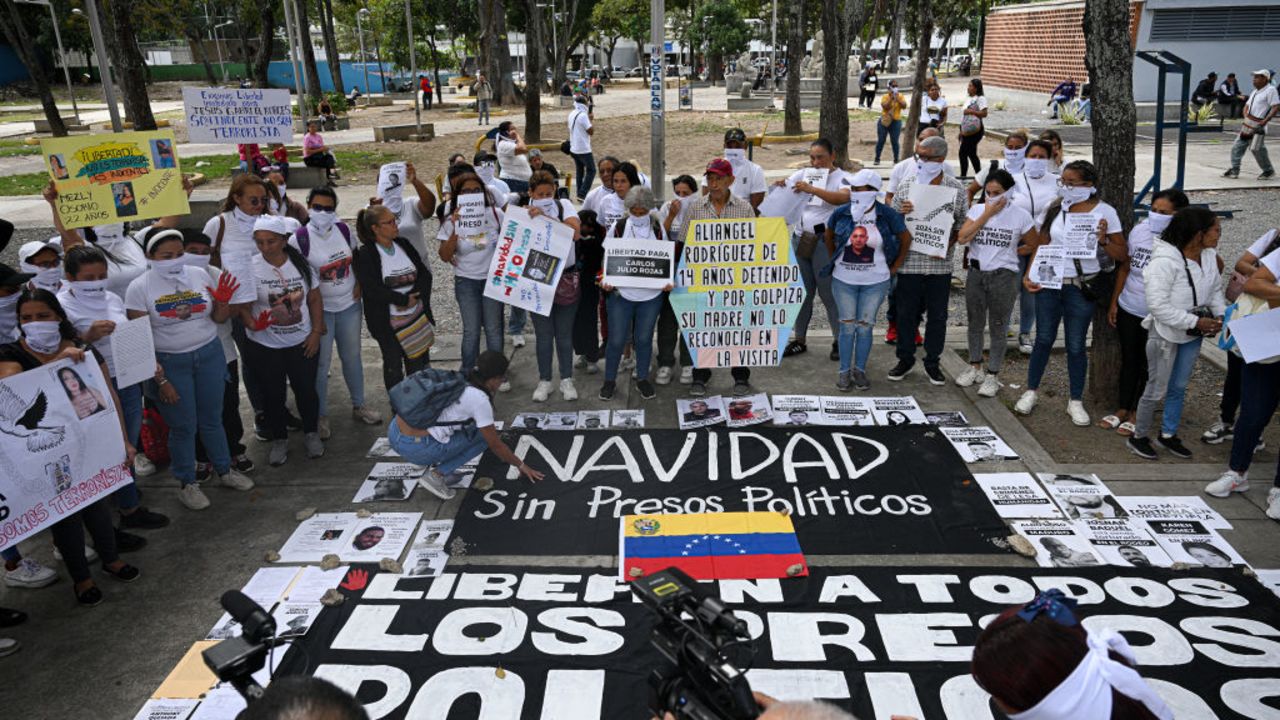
x=711 y=546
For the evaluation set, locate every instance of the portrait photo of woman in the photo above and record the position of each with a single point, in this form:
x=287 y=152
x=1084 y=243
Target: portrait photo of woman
x=86 y=400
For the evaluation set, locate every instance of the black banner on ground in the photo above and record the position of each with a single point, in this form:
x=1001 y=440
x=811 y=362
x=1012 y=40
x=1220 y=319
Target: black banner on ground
x=571 y=643
x=866 y=490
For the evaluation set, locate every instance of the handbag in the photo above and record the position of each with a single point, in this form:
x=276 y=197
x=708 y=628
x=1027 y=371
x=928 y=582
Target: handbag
x=569 y=290
x=970 y=125
x=1098 y=288
x=564 y=148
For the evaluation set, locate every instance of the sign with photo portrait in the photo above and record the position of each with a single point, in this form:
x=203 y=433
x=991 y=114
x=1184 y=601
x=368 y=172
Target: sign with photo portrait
x=104 y=179
x=531 y=255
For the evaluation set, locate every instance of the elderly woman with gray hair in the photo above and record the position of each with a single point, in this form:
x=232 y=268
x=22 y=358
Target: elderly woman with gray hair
x=632 y=312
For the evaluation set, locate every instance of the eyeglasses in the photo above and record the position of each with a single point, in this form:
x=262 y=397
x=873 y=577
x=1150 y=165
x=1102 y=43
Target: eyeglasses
x=385 y=222
x=255 y=200
x=1074 y=183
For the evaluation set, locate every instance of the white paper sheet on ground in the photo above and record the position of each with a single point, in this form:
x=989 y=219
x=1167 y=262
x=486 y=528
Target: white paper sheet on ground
x=1082 y=496
x=1017 y=495
x=391 y=179
x=267 y=586
x=749 y=410
x=1258 y=335
x=930 y=222
x=134 y=352
x=381 y=448
x=1047 y=267
x=561 y=421
x=220 y=703
x=1081 y=237
x=351 y=538
x=432 y=533
x=294 y=619
x=700 y=412
x=845 y=411
x=978 y=444
x=632 y=419
x=158 y=709
x=1270 y=578
x=785 y=203
x=313 y=582
x=1183 y=507
x=389 y=481
x=796 y=409
x=1124 y=542
x=1191 y=542
x=427 y=562
x=897 y=411
x=946 y=418
x=593 y=419
x=1058 y=543
x=529 y=421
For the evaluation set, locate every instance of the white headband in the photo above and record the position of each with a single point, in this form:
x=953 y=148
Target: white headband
x=272 y=223
x=1086 y=693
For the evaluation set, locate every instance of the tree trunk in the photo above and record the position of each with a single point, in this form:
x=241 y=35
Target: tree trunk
x=839 y=18
x=197 y=43
x=308 y=56
x=1109 y=59
x=266 y=41
x=795 y=54
x=893 y=46
x=130 y=66
x=869 y=32
x=496 y=51
x=533 y=74
x=331 y=46
x=377 y=54
x=15 y=33
x=924 y=38
x=435 y=68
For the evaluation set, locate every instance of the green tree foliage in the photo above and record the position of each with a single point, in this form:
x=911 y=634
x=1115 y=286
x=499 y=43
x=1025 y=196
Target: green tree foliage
x=722 y=32
x=621 y=19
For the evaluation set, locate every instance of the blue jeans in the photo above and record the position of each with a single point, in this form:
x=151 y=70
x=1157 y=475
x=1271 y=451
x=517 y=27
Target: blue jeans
x=482 y=109
x=1068 y=307
x=809 y=269
x=1026 y=300
x=478 y=313
x=199 y=377
x=517 y=186
x=554 y=335
x=344 y=327
x=427 y=451
x=516 y=320
x=128 y=497
x=630 y=321
x=584 y=164
x=891 y=133
x=1169 y=367
x=858 y=306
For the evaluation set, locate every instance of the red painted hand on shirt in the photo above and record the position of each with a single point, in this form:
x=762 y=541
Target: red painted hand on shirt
x=227 y=286
x=262 y=322
x=356 y=580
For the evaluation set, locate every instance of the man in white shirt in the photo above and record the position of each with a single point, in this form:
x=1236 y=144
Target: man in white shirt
x=581 y=128
x=1259 y=109
x=748 y=177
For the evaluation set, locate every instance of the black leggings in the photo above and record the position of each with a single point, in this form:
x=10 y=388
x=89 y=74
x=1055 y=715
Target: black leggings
x=1133 y=361
x=1231 y=389
x=395 y=364
x=320 y=160
x=969 y=152
x=68 y=537
x=275 y=366
x=586 y=333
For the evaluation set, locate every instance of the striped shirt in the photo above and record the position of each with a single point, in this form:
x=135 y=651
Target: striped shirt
x=736 y=209
x=917 y=263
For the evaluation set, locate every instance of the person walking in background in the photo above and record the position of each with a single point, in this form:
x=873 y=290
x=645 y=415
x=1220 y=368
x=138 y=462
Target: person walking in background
x=484 y=94
x=868 y=86
x=581 y=128
x=972 y=128
x=1259 y=109
x=425 y=86
x=890 y=125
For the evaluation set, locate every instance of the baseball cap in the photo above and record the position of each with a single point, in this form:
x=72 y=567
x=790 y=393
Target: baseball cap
x=1263 y=72
x=865 y=177
x=272 y=223
x=735 y=135
x=12 y=278
x=29 y=249
x=719 y=166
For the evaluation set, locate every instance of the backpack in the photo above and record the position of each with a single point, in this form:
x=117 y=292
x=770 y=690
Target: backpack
x=304 y=237
x=421 y=397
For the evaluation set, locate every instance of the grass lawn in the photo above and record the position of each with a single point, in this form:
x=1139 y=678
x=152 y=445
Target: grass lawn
x=10 y=147
x=213 y=166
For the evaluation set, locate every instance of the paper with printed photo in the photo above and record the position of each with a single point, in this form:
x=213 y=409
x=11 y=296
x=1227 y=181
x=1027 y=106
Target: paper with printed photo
x=350 y=537
x=1184 y=507
x=700 y=412
x=748 y=410
x=427 y=562
x=1058 y=543
x=593 y=419
x=930 y=220
x=1082 y=496
x=561 y=421
x=294 y=619
x=1124 y=542
x=391 y=181
x=529 y=421
x=978 y=444
x=1048 y=266
x=846 y=411
x=631 y=419
x=160 y=709
x=796 y=409
x=389 y=481
x=1017 y=495
x=946 y=418
x=1081 y=235
x=897 y=411
x=1191 y=542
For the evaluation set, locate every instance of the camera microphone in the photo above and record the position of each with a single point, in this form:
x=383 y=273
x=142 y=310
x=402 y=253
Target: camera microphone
x=258 y=625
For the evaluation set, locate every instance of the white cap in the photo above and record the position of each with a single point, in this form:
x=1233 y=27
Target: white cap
x=866 y=177
x=1263 y=72
x=29 y=249
x=273 y=223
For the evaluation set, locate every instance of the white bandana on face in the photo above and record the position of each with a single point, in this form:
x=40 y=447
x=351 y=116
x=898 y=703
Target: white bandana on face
x=43 y=336
x=1036 y=167
x=1158 y=221
x=322 y=221
x=1072 y=195
x=171 y=269
x=93 y=293
x=927 y=171
x=1086 y=693
x=861 y=202
x=547 y=206
x=640 y=227
x=1015 y=160
x=45 y=278
x=244 y=221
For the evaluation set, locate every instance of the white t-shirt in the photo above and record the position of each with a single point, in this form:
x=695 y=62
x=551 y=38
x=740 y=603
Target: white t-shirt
x=1034 y=195
x=409 y=224
x=398 y=273
x=330 y=259
x=977 y=102
x=1261 y=101
x=126 y=261
x=472 y=258
x=283 y=291
x=817 y=211
x=237 y=248
x=472 y=405
x=679 y=226
x=1259 y=246
x=640 y=230
x=82 y=316
x=1058 y=231
x=1133 y=296
x=863 y=265
x=936 y=106
x=594 y=197
x=512 y=166
x=579 y=123
x=907 y=168
x=996 y=244
x=609 y=209
x=179 y=309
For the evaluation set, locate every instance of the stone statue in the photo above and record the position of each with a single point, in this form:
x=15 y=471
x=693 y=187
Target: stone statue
x=745 y=67
x=813 y=65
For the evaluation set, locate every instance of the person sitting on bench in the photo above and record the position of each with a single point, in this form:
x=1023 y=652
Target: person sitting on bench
x=315 y=153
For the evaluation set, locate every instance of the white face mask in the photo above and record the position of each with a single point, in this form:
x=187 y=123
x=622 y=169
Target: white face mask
x=1035 y=167
x=861 y=202
x=1014 y=160
x=173 y=268
x=90 y=292
x=547 y=206
x=193 y=260
x=45 y=278
x=9 y=316
x=927 y=170
x=322 y=221
x=485 y=172
x=1158 y=221
x=244 y=219
x=1071 y=195
x=640 y=226
x=43 y=336
x=109 y=234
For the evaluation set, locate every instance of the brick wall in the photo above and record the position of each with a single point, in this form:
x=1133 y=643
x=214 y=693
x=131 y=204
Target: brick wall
x=1034 y=47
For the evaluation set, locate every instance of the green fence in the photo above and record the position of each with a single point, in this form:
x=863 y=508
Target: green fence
x=195 y=71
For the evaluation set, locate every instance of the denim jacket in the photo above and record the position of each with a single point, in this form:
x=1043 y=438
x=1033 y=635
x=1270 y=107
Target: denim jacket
x=888 y=221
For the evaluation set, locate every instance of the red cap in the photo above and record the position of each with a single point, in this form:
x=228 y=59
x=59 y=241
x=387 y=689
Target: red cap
x=719 y=166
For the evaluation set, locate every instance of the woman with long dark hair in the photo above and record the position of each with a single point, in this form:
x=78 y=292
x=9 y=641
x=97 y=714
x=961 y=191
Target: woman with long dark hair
x=972 y=127
x=470 y=252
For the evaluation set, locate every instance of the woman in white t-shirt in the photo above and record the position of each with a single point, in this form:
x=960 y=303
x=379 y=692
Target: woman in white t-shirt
x=1089 y=227
x=284 y=325
x=1035 y=190
x=513 y=158
x=933 y=111
x=675 y=220
x=1129 y=308
x=470 y=252
x=554 y=333
x=629 y=307
x=411 y=214
x=184 y=308
x=329 y=247
x=993 y=233
x=444 y=448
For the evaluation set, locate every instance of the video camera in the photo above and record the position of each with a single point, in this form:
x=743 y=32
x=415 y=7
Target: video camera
x=237 y=659
x=708 y=649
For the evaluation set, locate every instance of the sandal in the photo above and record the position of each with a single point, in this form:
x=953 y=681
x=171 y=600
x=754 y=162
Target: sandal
x=1126 y=429
x=1110 y=422
x=127 y=573
x=795 y=347
x=90 y=597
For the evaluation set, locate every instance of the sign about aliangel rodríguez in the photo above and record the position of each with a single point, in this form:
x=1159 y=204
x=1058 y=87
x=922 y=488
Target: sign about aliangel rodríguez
x=737 y=292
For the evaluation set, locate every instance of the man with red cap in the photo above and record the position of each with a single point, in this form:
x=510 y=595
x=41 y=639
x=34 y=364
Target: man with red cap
x=720 y=203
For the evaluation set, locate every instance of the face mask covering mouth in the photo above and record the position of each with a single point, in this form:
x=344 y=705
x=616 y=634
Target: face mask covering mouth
x=861 y=202
x=1035 y=168
x=43 y=336
x=640 y=226
x=172 y=268
x=546 y=205
x=927 y=171
x=90 y=292
x=1072 y=195
x=322 y=220
x=1015 y=160
x=1158 y=221
x=194 y=260
x=45 y=278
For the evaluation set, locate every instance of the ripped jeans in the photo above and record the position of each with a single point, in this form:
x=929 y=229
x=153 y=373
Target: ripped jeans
x=857 y=306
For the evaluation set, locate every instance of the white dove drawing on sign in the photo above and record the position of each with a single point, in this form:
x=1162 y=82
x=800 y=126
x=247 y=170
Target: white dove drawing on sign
x=21 y=419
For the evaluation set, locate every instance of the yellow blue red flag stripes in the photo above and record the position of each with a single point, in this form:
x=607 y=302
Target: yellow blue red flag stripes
x=711 y=546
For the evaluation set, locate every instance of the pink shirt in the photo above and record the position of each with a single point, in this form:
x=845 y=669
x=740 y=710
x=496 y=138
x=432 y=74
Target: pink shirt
x=311 y=142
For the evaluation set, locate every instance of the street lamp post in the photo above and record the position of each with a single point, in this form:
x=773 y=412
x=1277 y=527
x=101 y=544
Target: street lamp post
x=57 y=36
x=364 y=60
x=99 y=49
x=218 y=44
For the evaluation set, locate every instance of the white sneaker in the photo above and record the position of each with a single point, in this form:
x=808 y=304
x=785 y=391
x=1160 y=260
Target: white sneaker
x=543 y=391
x=1230 y=481
x=568 y=390
x=31 y=574
x=593 y=367
x=142 y=466
x=1273 y=503
x=366 y=415
x=9 y=646
x=663 y=376
x=435 y=483
x=322 y=426
x=505 y=386
x=517 y=341
x=1026 y=403
x=628 y=363
x=580 y=361
x=686 y=375
x=1079 y=416
x=235 y=480
x=990 y=386
x=193 y=497
x=969 y=376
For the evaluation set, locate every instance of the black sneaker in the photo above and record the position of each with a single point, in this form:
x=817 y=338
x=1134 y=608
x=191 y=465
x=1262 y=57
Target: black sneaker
x=292 y=422
x=1175 y=447
x=935 y=375
x=835 y=352
x=1232 y=173
x=90 y=597
x=900 y=370
x=741 y=389
x=697 y=389
x=242 y=463
x=204 y=471
x=647 y=390
x=128 y=542
x=1267 y=175
x=143 y=519
x=259 y=427
x=1141 y=447
x=607 y=390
